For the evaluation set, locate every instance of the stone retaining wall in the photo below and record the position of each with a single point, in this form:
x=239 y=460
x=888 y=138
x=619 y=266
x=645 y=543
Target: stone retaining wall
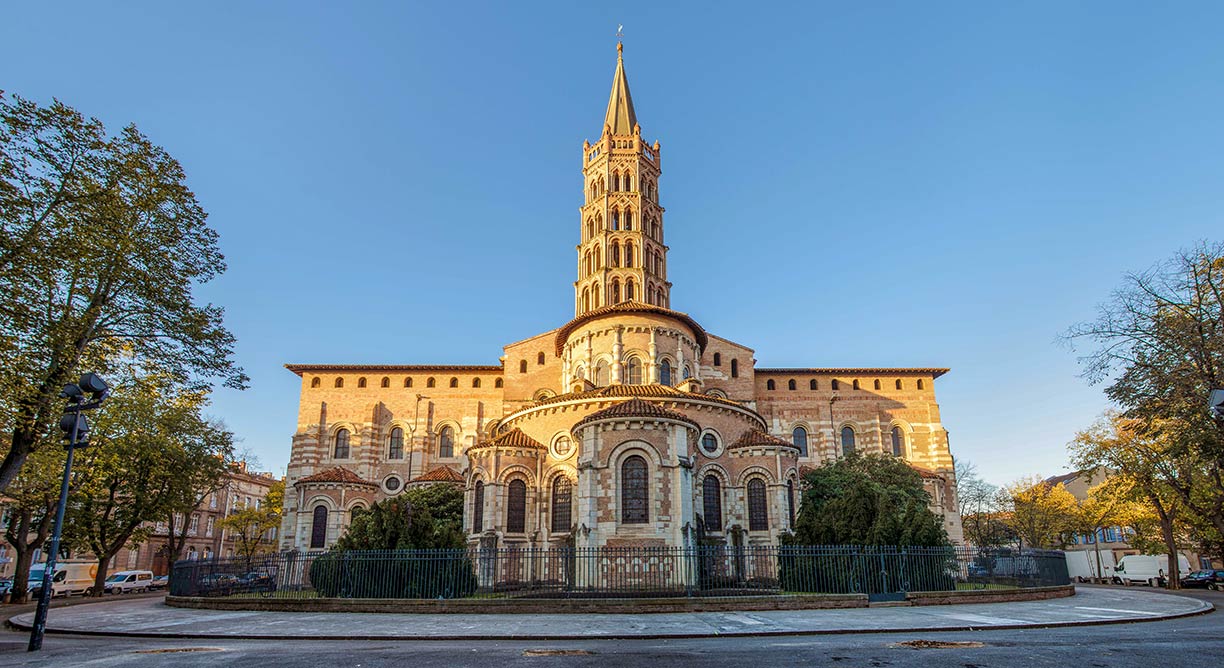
x=611 y=605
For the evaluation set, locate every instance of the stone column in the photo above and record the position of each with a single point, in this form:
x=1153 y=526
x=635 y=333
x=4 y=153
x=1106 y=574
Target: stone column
x=617 y=349
x=653 y=366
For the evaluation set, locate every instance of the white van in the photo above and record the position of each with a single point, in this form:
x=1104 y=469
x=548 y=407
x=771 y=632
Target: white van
x=71 y=577
x=1088 y=565
x=1149 y=569
x=126 y=581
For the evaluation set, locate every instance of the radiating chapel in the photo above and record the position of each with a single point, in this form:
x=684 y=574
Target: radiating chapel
x=629 y=425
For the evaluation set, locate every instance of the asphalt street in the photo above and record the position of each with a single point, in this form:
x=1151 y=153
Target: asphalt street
x=1191 y=642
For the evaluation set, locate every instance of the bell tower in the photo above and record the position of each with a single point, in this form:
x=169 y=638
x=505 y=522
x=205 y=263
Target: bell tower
x=621 y=254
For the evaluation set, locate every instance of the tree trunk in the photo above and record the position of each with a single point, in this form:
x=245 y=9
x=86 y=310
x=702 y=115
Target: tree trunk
x=99 y=585
x=1170 y=540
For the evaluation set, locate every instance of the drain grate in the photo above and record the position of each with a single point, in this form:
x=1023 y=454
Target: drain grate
x=939 y=644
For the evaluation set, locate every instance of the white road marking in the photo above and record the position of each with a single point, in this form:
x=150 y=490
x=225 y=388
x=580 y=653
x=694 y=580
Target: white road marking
x=1131 y=612
x=983 y=619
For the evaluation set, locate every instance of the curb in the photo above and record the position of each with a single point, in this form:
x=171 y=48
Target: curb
x=1205 y=608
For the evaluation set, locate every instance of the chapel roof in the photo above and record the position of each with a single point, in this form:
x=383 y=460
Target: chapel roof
x=515 y=438
x=756 y=437
x=440 y=474
x=629 y=307
x=337 y=474
x=636 y=408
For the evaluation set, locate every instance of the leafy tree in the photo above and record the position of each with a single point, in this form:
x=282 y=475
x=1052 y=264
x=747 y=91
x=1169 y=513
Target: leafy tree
x=101 y=245
x=1159 y=343
x=1143 y=468
x=147 y=440
x=1042 y=515
x=866 y=500
x=33 y=498
x=429 y=517
x=247 y=526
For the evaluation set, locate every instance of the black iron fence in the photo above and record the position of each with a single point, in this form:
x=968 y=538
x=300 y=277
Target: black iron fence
x=618 y=572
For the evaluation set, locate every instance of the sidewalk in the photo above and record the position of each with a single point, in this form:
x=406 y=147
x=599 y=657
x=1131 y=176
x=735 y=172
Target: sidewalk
x=152 y=618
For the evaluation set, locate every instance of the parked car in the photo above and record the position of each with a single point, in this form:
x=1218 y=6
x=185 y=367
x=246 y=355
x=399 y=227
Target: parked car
x=218 y=584
x=1146 y=568
x=160 y=582
x=1209 y=579
x=129 y=581
x=257 y=581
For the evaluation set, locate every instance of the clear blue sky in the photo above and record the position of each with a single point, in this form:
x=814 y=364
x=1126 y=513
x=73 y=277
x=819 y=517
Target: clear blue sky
x=847 y=184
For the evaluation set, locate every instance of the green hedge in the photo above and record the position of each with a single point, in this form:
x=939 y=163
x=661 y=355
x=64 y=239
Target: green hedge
x=392 y=575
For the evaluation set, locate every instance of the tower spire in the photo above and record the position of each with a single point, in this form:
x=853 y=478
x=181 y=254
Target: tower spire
x=620 y=118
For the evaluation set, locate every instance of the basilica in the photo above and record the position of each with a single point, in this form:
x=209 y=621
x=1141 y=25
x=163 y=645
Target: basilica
x=630 y=425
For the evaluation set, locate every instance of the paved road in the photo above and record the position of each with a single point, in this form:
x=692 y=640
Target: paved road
x=1192 y=642
x=151 y=617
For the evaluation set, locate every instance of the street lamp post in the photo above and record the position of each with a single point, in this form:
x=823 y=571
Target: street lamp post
x=76 y=427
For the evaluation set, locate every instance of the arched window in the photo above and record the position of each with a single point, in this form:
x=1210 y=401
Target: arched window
x=709 y=442
x=628 y=254
x=877 y=383
x=717 y=359
x=361 y=382
x=629 y=219
x=758 y=509
x=475 y=382
x=834 y=384
x=633 y=371
x=516 y=506
x=634 y=495
x=315 y=382
x=522 y=366
x=615 y=221
x=540 y=359
x=616 y=291
x=318 y=528
x=629 y=289
x=769 y=385
x=665 y=373
x=790 y=384
x=847 y=438
x=341 y=448
x=601 y=373
x=586 y=299
x=386 y=382
x=446 y=443
x=562 y=495
x=711 y=502
x=734 y=368
x=430 y=382
x=790 y=501
x=579 y=373
x=898 y=442
x=686 y=373
x=497 y=383
x=478 y=508
x=898 y=383
x=921 y=385
x=454 y=382
x=812 y=384
x=407 y=382
x=615 y=255
x=395 y=444
x=799 y=438
x=339 y=382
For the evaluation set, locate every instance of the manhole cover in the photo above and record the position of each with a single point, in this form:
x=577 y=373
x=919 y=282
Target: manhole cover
x=939 y=644
x=175 y=650
x=556 y=652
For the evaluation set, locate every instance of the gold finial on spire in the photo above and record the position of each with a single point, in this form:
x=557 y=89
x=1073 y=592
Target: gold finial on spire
x=620 y=34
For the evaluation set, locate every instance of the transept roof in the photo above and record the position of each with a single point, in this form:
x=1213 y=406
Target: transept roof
x=756 y=437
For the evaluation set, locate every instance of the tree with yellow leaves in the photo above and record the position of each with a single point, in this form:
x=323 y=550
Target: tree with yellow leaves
x=1043 y=515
